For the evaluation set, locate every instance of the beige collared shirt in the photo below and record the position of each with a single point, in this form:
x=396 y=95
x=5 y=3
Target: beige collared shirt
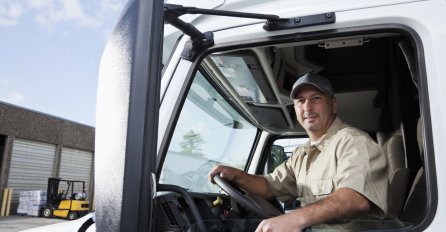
x=345 y=157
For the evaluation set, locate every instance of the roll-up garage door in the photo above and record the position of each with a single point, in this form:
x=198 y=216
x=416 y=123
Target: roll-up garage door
x=76 y=165
x=31 y=165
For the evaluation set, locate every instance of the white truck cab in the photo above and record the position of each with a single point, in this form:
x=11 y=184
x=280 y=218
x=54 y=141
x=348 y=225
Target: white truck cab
x=215 y=90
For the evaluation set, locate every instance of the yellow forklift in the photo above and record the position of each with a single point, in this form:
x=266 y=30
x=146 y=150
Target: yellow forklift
x=65 y=203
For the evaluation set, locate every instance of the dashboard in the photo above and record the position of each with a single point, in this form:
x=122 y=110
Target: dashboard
x=175 y=214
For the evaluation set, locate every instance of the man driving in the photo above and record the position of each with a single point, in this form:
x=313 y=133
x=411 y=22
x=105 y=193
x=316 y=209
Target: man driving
x=340 y=173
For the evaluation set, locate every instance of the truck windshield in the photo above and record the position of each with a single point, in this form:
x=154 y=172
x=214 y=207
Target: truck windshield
x=208 y=132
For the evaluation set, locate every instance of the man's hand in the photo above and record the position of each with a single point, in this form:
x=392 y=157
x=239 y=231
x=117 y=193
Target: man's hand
x=250 y=183
x=225 y=172
x=281 y=223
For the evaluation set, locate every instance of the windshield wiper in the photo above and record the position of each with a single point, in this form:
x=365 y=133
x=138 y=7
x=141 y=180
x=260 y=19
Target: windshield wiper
x=200 y=40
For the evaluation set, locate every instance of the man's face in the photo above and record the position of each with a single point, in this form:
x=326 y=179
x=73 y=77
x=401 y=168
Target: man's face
x=315 y=110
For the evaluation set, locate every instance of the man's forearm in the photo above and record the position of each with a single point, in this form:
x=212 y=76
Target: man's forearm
x=254 y=184
x=343 y=203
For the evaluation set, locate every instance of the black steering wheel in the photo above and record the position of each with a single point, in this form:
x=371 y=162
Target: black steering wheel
x=253 y=203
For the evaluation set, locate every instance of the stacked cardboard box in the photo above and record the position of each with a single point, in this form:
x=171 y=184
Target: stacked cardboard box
x=31 y=202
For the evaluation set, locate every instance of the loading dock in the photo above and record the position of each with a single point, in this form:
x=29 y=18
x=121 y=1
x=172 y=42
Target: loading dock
x=35 y=146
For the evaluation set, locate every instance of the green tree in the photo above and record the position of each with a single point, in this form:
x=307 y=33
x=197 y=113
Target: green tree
x=191 y=144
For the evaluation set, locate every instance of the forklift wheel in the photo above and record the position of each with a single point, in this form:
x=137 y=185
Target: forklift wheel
x=72 y=215
x=48 y=212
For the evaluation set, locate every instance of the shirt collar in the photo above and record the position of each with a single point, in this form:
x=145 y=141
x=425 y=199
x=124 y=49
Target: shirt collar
x=334 y=127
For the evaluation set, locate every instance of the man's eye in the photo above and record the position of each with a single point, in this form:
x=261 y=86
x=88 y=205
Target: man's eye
x=300 y=101
x=316 y=98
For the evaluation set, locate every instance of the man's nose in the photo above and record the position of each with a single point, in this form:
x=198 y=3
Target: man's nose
x=308 y=105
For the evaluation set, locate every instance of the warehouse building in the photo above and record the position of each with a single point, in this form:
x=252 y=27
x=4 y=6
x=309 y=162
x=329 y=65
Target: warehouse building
x=36 y=146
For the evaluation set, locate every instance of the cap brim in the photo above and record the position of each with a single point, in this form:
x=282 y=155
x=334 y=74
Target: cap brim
x=296 y=88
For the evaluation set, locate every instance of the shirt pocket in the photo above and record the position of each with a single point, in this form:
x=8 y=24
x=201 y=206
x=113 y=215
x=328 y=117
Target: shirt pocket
x=321 y=187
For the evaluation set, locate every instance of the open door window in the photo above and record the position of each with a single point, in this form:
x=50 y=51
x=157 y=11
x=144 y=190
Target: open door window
x=238 y=100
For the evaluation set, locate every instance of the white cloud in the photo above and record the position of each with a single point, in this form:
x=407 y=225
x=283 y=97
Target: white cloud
x=4 y=81
x=50 y=13
x=13 y=97
x=9 y=13
x=112 y=5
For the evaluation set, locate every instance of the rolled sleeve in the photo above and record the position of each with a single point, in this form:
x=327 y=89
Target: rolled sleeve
x=360 y=167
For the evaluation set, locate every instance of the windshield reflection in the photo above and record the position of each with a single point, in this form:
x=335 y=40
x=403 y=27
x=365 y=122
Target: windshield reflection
x=209 y=132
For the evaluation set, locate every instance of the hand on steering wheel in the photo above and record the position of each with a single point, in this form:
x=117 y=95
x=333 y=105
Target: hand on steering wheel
x=253 y=203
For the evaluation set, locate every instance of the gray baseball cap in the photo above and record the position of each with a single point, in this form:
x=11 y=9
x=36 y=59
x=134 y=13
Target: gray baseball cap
x=317 y=81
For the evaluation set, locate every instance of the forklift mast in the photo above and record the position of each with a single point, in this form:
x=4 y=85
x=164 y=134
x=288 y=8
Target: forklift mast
x=52 y=190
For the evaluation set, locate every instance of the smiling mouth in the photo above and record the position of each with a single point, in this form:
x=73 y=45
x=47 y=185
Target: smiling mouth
x=310 y=116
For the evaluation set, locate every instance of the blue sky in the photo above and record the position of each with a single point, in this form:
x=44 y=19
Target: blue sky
x=50 y=52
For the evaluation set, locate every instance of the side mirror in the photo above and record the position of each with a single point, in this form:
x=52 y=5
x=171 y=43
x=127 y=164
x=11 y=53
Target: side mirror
x=276 y=157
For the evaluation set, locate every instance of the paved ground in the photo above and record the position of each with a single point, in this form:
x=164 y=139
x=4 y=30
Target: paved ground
x=19 y=223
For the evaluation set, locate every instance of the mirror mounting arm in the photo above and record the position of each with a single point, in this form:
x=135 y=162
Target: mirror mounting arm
x=200 y=41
